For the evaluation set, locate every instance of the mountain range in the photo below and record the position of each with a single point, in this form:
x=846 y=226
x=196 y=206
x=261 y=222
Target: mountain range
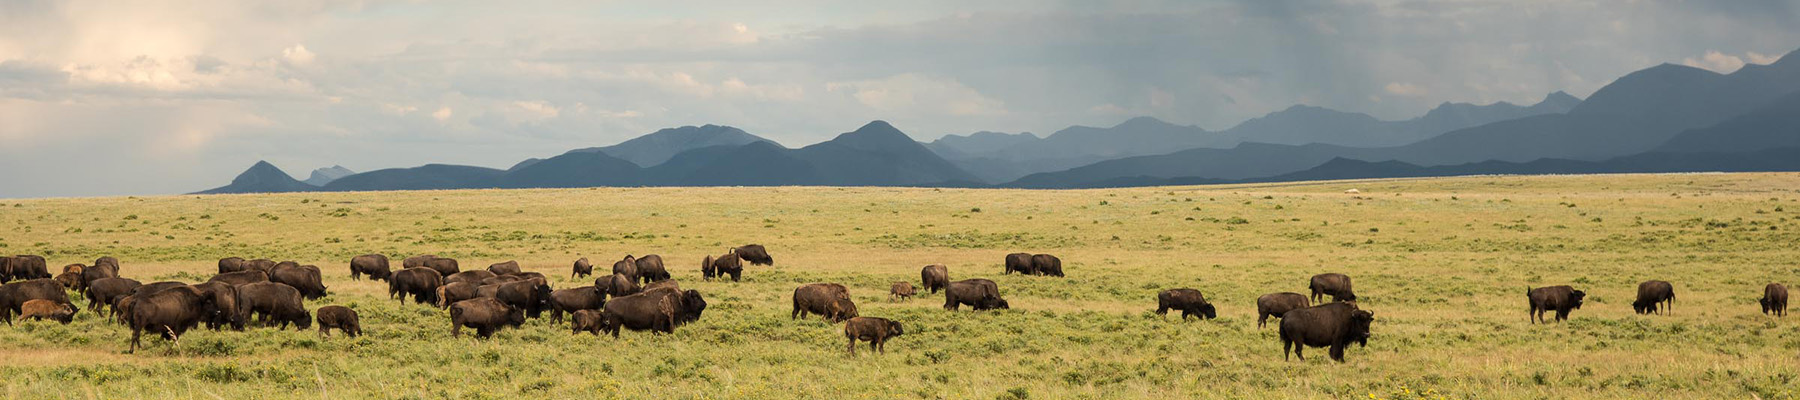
x=1667 y=118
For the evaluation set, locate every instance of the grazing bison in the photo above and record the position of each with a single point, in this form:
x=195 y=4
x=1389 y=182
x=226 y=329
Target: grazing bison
x=876 y=331
x=341 y=318
x=471 y=276
x=934 y=277
x=40 y=309
x=655 y=312
x=75 y=268
x=1020 y=263
x=122 y=306
x=1277 y=304
x=627 y=267
x=14 y=295
x=453 y=292
x=169 y=313
x=506 y=268
x=1774 y=300
x=70 y=280
x=650 y=268
x=1333 y=284
x=573 y=300
x=306 y=278
x=1046 y=265
x=416 y=261
x=617 y=285
x=1334 y=325
x=707 y=271
x=901 y=291
x=754 y=253
x=1559 y=298
x=444 y=266
x=1651 y=295
x=233 y=264
x=829 y=300
x=1189 y=301
x=274 y=303
x=728 y=264
x=582 y=269
x=421 y=283
x=241 y=277
x=103 y=292
x=225 y=303
x=96 y=272
x=586 y=321
x=29 y=267
x=688 y=303
x=531 y=296
x=374 y=265
x=981 y=294
x=483 y=314
x=109 y=262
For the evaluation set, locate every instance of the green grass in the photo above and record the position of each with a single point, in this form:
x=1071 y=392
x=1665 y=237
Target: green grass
x=1443 y=263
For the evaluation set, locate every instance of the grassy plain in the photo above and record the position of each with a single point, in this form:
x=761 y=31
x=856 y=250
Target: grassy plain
x=1443 y=263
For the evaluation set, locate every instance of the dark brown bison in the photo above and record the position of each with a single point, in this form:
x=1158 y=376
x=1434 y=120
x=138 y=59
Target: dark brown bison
x=453 y=292
x=233 y=264
x=617 y=285
x=650 y=268
x=122 y=305
x=444 y=266
x=14 y=295
x=626 y=267
x=934 y=277
x=1189 y=301
x=69 y=280
x=582 y=269
x=688 y=303
x=29 y=267
x=1020 y=263
x=981 y=294
x=485 y=315
x=40 y=309
x=169 y=313
x=655 y=311
x=531 y=296
x=573 y=300
x=707 y=271
x=532 y=276
x=1774 y=300
x=586 y=321
x=96 y=272
x=471 y=276
x=1276 y=304
x=754 y=253
x=109 y=262
x=901 y=291
x=1333 y=284
x=374 y=265
x=241 y=277
x=261 y=264
x=274 y=303
x=416 y=261
x=876 y=331
x=225 y=303
x=1046 y=265
x=1651 y=295
x=1558 y=298
x=307 y=278
x=828 y=300
x=103 y=292
x=341 y=318
x=506 y=268
x=728 y=264
x=421 y=283
x=1334 y=325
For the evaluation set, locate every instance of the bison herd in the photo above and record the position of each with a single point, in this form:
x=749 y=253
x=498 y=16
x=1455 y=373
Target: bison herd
x=640 y=295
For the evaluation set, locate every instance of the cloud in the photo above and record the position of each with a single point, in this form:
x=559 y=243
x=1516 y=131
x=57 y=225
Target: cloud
x=1715 y=61
x=918 y=93
x=442 y=114
x=1404 y=89
x=297 y=54
x=1759 y=58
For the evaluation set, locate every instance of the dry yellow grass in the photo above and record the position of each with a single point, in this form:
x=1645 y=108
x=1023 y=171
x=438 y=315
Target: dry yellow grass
x=1444 y=263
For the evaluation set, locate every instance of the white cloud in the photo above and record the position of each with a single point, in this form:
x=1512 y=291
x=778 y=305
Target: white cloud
x=1715 y=61
x=297 y=54
x=1404 y=89
x=919 y=93
x=442 y=114
x=1759 y=58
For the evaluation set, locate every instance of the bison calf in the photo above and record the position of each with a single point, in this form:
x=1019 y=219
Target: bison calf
x=1334 y=325
x=341 y=318
x=47 y=309
x=901 y=291
x=1189 y=301
x=876 y=331
x=1562 y=299
x=582 y=269
x=585 y=321
x=1651 y=295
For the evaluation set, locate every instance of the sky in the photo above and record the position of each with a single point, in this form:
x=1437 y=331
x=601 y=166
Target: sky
x=162 y=97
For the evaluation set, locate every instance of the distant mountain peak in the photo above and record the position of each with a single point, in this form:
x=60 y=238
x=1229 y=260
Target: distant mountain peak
x=657 y=147
x=1144 y=122
x=876 y=135
x=322 y=176
x=263 y=177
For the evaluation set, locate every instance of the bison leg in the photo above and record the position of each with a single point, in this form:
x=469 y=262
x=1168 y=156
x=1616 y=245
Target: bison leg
x=1299 y=351
x=1337 y=352
x=484 y=332
x=1185 y=313
x=136 y=332
x=1262 y=320
x=852 y=345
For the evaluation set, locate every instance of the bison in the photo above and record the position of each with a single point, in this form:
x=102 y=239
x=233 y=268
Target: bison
x=96 y=272
x=901 y=291
x=1651 y=295
x=122 y=306
x=275 y=303
x=1189 y=301
x=241 y=277
x=109 y=262
x=688 y=303
x=728 y=264
x=374 y=265
x=416 y=261
x=980 y=294
x=485 y=315
x=444 y=266
x=306 y=278
x=754 y=253
x=934 y=277
x=617 y=285
x=1020 y=263
x=652 y=311
x=14 y=295
x=828 y=300
x=341 y=318
x=650 y=268
x=1334 y=325
x=586 y=321
x=103 y=292
x=582 y=269
x=471 y=276
x=1559 y=298
x=627 y=267
x=1774 y=300
x=169 y=313
x=505 y=268
x=27 y=267
x=233 y=264
x=1046 y=265
x=573 y=300
x=69 y=280
x=225 y=303
x=40 y=309
x=1277 y=304
x=421 y=283
x=876 y=331
x=531 y=296
x=453 y=292
x=1333 y=284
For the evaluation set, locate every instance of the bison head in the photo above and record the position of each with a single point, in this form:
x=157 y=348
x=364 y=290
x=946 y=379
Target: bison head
x=692 y=305
x=893 y=329
x=515 y=316
x=1209 y=311
x=303 y=320
x=1643 y=307
x=994 y=303
x=1576 y=297
x=1359 y=326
